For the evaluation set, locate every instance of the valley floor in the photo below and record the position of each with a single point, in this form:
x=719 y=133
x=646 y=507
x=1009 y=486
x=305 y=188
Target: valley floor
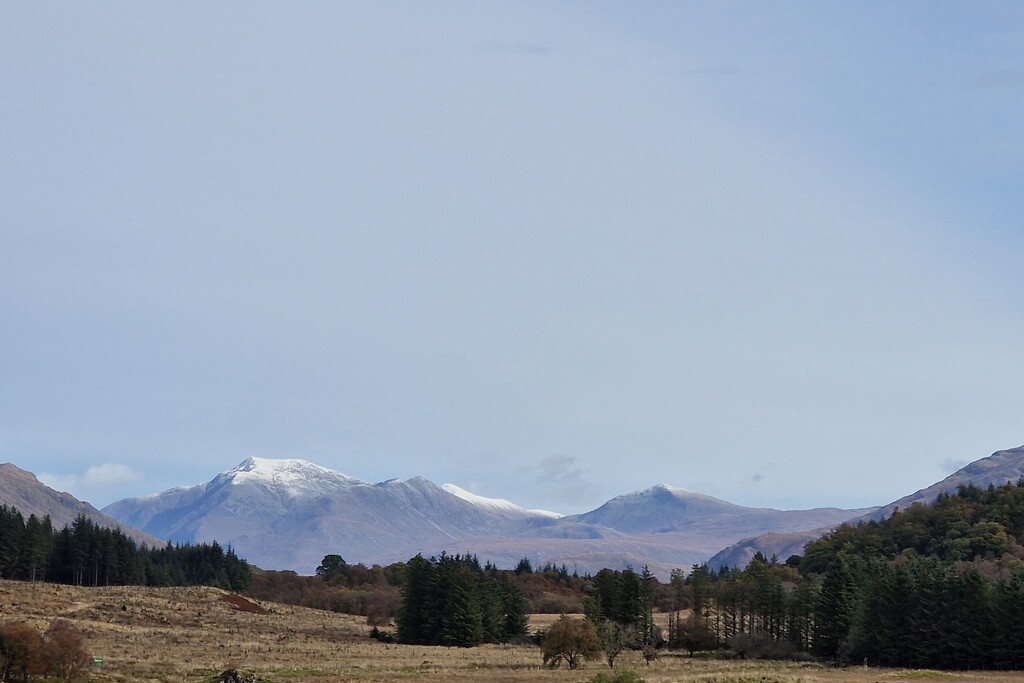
x=168 y=635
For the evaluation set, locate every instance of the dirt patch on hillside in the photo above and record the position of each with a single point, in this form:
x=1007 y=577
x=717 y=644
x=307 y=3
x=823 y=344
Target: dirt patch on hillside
x=242 y=604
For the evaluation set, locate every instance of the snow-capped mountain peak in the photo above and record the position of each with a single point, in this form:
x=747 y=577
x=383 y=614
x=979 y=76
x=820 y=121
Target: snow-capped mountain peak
x=494 y=503
x=291 y=477
x=675 y=490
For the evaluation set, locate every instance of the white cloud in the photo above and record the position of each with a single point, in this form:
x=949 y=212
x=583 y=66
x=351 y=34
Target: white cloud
x=97 y=485
x=109 y=474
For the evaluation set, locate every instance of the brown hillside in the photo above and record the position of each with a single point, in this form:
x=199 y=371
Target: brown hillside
x=21 y=489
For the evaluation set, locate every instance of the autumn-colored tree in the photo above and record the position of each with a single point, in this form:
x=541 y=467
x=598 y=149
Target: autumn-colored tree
x=571 y=641
x=21 y=652
x=64 y=651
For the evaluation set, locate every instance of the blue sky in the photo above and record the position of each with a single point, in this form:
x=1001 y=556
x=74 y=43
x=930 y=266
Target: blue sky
x=547 y=252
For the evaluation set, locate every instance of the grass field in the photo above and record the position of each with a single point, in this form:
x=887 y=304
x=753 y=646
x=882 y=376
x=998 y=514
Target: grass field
x=192 y=634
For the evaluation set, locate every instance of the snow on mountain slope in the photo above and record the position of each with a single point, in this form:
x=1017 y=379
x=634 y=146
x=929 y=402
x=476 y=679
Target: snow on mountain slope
x=495 y=503
x=285 y=514
x=292 y=478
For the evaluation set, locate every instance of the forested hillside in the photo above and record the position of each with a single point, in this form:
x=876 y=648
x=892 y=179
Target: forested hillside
x=938 y=586
x=86 y=554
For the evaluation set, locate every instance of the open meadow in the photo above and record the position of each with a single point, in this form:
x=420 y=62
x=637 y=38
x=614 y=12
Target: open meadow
x=169 y=635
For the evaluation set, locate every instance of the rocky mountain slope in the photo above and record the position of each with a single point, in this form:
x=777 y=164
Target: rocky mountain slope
x=22 y=490
x=287 y=514
x=997 y=469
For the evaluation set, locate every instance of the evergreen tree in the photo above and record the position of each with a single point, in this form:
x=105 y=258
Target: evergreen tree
x=12 y=542
x=414 y=616
x=516 y=609
x=836 y=612
x=462 y=620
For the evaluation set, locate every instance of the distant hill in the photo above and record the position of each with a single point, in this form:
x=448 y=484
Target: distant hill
x=779 y=544
x=665 y=509
x=997 y=469
x=22 y=490
x=287 y=514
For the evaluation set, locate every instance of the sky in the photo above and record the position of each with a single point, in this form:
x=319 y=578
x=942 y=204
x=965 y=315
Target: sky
x=549 y=252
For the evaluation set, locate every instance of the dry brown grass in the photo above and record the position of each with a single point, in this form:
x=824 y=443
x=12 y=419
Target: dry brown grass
x=168 y=635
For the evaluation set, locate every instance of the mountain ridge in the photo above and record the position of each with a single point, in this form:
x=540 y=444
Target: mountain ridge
x=1002 y=466
x=275 y=518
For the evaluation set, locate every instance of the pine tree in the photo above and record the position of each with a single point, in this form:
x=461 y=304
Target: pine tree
x=417 y=596
x=835 y=613
x=516 y=609
x=462 y=622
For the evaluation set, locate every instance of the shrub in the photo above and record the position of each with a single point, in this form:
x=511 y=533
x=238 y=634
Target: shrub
x=25 y=653
x=382 y=636
x=64 y=651
x=21 y=652
x=623 y=676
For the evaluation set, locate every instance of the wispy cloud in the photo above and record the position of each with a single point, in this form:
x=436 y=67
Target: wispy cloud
x=951 y=465
x=559 y=469
x=564 y=477
x=98 y=482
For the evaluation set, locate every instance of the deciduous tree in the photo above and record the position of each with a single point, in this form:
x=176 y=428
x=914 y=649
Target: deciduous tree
x=64 y=651
x=570 y=641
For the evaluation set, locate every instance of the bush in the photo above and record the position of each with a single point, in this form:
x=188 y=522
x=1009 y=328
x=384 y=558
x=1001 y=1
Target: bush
x=21 y=652
x=762 y=646
x=64 y=651
x=623 y=676
x=25 y=653
x=382 y=636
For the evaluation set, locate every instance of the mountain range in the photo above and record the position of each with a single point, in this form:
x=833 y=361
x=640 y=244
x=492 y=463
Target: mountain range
x=288 y=514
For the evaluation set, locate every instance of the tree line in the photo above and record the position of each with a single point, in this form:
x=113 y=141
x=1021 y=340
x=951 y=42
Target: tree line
x=452 y=600
x=375 y=592
x=86 y=554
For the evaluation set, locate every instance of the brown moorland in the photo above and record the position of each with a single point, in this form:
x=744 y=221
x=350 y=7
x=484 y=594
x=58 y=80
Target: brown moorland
x=168 y=635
